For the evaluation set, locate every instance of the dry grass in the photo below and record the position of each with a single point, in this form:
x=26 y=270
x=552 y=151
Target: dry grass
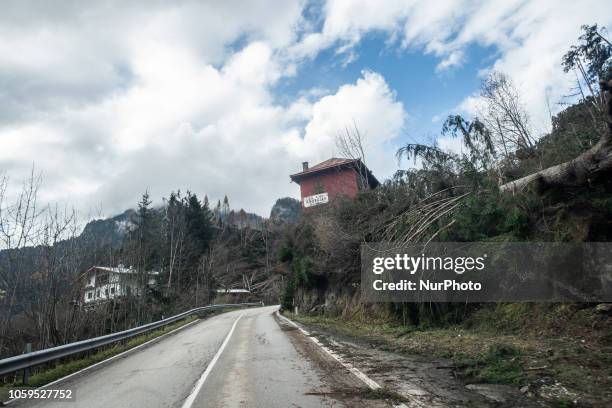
x=509 y=344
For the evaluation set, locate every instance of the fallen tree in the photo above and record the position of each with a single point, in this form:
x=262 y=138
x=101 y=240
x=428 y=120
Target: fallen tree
x=579 y=171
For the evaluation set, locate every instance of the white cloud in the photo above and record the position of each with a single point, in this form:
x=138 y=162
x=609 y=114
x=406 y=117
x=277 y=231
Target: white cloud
x=368 y=104
x=453 y=59
x=187 y=124
x=108 y=100
x=530 y=36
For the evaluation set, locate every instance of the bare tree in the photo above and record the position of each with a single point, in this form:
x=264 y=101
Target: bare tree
x=175 y=234
x=350 y=145
x=591 y=63
x=505 y=115
x=265 y=237
x=18 y=229
x=52 y=283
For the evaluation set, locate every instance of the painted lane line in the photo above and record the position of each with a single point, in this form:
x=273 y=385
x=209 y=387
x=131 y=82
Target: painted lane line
x=358 y=373
x=116 y=356
x=367 y=380
x=198 y=385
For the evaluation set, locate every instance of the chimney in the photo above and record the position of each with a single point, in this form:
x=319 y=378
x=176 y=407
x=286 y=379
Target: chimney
x=304 y=166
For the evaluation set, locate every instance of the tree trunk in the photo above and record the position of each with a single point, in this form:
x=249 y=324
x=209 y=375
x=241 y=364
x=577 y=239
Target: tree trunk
x=576 y=172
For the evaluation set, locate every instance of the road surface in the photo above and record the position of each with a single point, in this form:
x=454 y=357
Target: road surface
x=243 y=358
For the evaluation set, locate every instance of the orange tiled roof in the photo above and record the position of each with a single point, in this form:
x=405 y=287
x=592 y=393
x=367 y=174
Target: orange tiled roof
x=327 y=164
x=332 y=163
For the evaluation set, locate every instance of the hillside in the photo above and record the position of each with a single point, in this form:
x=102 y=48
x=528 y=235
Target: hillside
x=196 y=251
x=506 y=186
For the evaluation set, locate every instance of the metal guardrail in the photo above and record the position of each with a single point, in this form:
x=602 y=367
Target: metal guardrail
x=25 y=361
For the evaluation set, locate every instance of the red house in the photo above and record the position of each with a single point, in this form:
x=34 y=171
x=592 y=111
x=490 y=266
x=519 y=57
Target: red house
x=333 y=178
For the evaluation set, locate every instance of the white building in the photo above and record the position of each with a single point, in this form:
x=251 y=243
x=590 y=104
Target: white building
x=103 y=283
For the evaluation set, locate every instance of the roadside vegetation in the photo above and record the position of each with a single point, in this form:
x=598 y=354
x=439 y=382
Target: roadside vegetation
x=197 y=252
x=508 y=185
x=559 y=352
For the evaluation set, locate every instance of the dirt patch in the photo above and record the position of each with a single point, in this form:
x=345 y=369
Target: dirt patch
x=339 y=383
x=424 y=381
x=549 y=367
x=365 y=393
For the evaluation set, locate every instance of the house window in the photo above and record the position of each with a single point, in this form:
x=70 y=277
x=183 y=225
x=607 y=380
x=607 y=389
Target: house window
x=112 y=291
x=89 y=295
x=105 y=292
x=102 y=279
x=98 y=293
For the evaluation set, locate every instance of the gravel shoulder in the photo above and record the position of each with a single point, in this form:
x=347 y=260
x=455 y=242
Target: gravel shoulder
x=424 y=380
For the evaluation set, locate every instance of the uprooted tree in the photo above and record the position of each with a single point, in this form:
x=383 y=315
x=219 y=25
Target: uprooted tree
x=588 y=165
x=591 y=61
x=464 y=197
x=501 y=134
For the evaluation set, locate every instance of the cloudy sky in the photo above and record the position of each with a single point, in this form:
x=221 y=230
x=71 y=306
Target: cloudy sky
x=108 y=98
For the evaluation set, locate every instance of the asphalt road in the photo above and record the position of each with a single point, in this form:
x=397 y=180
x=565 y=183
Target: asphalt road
x=261 y=364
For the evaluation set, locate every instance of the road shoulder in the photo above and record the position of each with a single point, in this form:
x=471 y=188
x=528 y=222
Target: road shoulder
x=340 y=383
x=419 y=380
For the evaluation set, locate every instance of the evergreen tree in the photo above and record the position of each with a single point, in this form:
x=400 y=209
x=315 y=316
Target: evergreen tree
x=144 y=237
x=198 y=233
x=198 y=218
x=225 y=209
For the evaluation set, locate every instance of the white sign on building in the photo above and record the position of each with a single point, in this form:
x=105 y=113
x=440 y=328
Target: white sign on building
x=316 y=199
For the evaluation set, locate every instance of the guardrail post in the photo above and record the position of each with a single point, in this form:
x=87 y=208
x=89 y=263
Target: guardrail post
x=26 y=371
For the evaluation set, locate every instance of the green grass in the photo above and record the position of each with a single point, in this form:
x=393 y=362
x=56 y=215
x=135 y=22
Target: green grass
x=44 y=376
x=499 y=365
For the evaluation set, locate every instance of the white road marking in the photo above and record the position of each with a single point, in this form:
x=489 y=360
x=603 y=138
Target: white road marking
x=198 y=386
x=110 y=358
x=358 y=373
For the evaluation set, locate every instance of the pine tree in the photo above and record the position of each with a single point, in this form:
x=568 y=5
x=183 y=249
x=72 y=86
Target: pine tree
x=198 y=221
x=143 y=235
x=225 y=209
x=144 y=250
x=199 y=231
